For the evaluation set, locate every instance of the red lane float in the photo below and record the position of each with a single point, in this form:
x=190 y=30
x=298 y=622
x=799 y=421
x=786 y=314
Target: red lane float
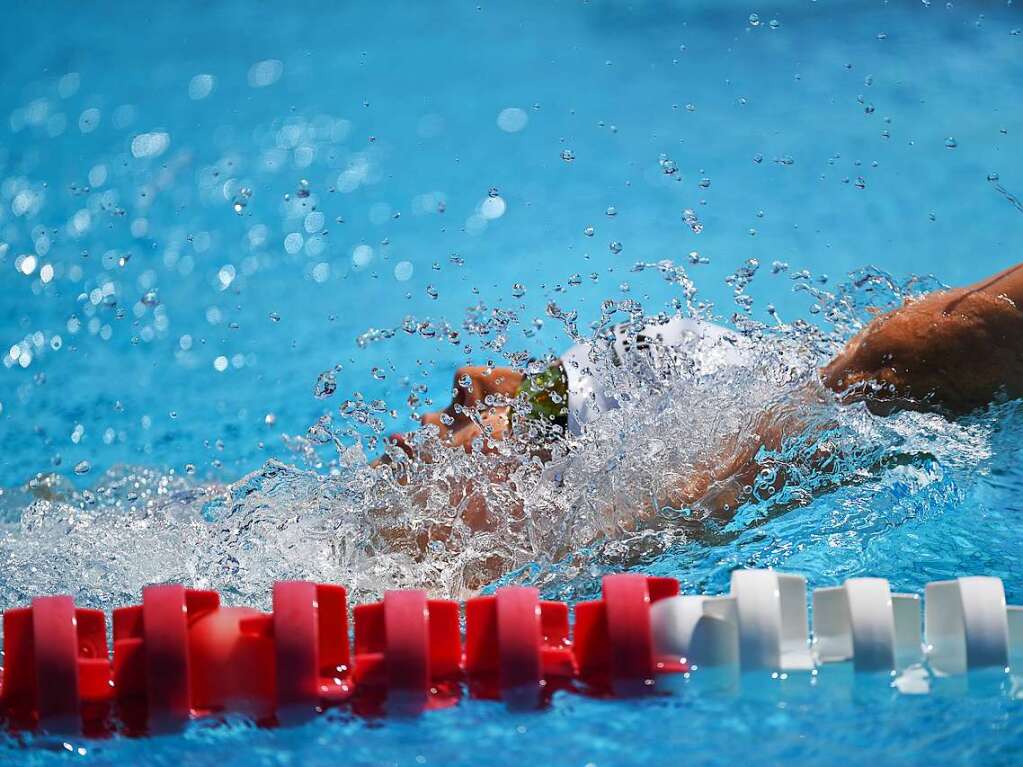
x=517 y=647
x=613 y=644
x=310 y=628
x=180 y=654
x=408 y=652
x=57 y=671
x=153 y=679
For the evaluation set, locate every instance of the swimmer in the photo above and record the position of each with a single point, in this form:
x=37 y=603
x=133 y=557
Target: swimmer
x=950 y=352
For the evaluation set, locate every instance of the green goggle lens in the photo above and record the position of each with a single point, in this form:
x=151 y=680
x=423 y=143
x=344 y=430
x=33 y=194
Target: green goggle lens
x=547 y=394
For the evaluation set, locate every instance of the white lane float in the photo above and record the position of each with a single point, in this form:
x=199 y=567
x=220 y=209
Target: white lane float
x=701 y=631
x=966 y=625
x=772 y=621
x=863 y=623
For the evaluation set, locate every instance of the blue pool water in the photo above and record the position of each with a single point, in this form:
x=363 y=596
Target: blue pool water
x=208 y=215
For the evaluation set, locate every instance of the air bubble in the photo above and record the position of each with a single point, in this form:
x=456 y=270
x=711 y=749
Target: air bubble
x=567 y=155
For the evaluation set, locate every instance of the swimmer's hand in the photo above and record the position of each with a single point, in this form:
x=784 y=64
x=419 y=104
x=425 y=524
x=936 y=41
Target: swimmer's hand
x=952 y=352
x=477 y=416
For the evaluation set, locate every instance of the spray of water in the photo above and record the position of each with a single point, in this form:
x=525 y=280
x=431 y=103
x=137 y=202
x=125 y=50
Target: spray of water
x=640 y=487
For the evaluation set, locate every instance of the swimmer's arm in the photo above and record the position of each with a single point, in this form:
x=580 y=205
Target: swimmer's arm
x=952 y=351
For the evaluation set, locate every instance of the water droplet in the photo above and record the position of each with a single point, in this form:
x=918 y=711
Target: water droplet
x=431 y=291
x=692 y=220
x=567 y=155
x=241 y=200
x=123 y=260
x=151 y=298
x=588 y=231
x=82 y=467
x=275 y=317
x=611 y=210
x=754 y=20
x=774 y=23
x=303 y=188
x=615 y=247
x=326 y=384
x=992 y=176
x=518 y=290
x=493 y=192
x=951 y=143
x=378 y=374
x=270 y=419
x=758 y=158
x=705 y=183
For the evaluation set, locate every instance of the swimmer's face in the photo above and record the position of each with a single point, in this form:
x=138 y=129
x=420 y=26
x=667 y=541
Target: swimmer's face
x=476 y=411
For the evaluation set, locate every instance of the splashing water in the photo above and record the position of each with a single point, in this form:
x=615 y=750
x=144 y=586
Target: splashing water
x=620 y=495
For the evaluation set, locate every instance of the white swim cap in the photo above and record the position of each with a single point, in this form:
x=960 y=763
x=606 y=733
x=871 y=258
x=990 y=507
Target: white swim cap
x=710 y=346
